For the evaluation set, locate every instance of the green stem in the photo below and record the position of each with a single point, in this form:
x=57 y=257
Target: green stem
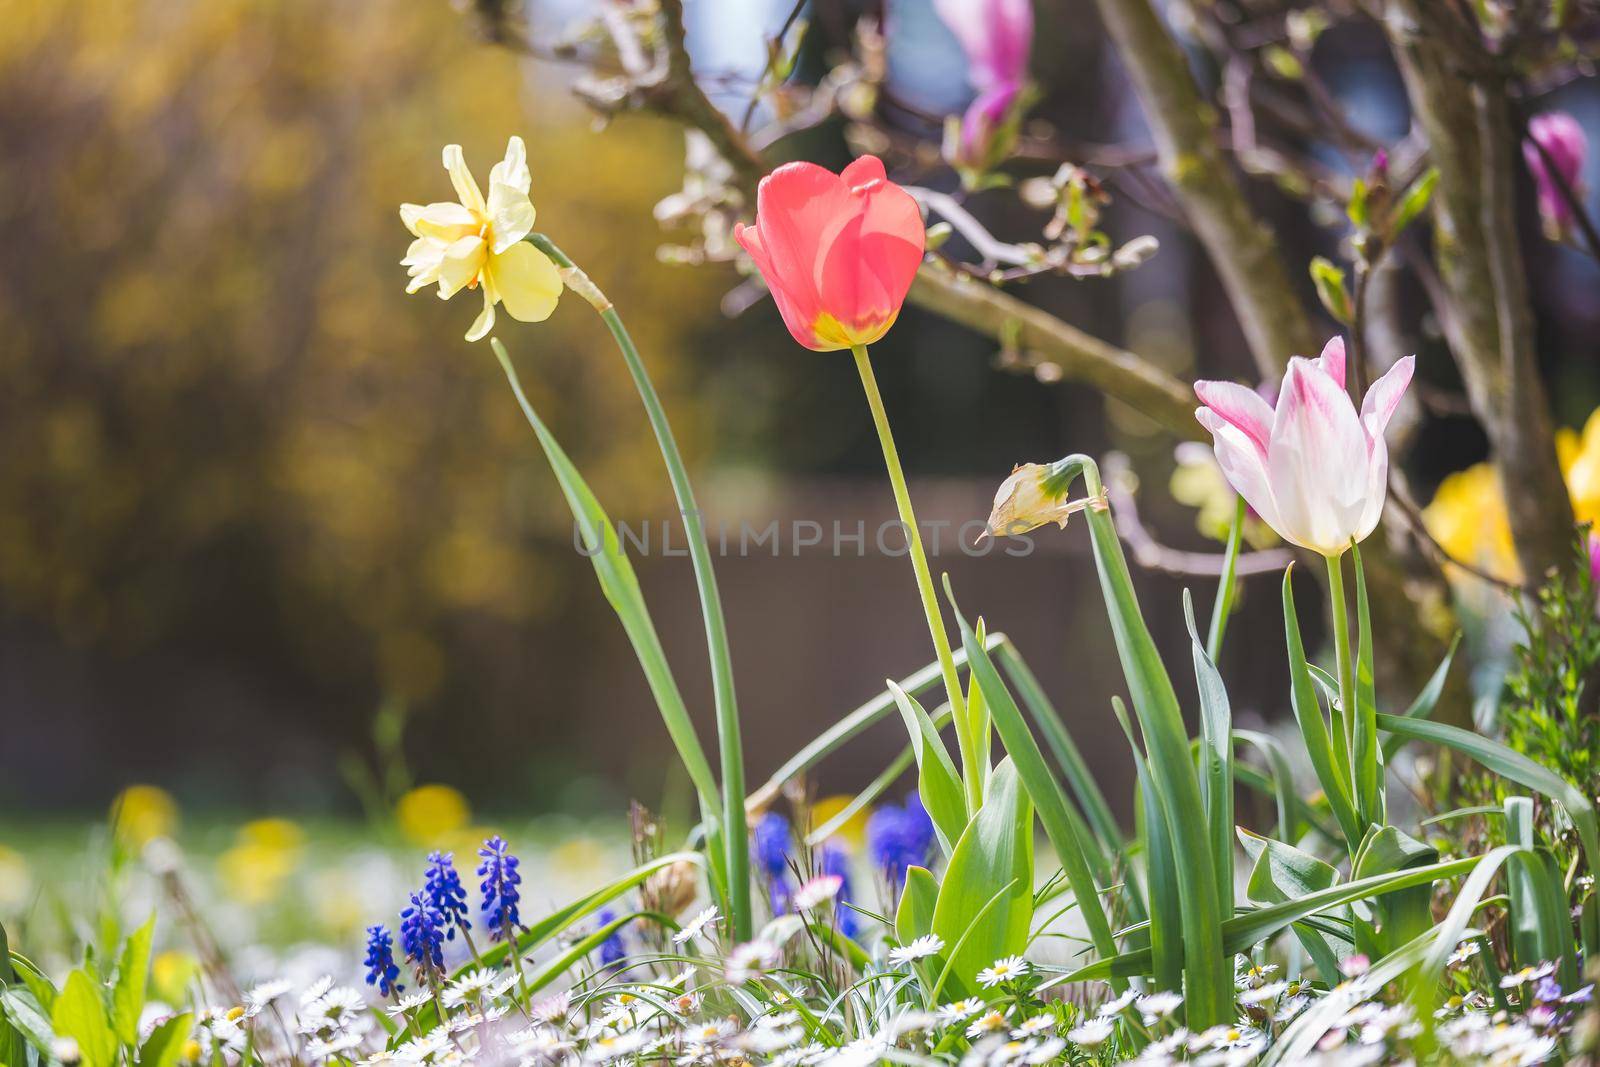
x=970 y=770
x=1224 y=605
x=1346 y=664
x=731 y=749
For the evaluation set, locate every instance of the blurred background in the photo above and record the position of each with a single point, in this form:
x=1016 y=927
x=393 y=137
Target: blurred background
x=274 y=538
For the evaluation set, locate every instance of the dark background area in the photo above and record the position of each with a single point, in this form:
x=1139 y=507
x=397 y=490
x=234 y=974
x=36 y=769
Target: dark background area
x=251 y=492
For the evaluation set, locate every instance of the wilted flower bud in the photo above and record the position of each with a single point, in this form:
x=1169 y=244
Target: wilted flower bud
x=670 y=890
x=1028 y=499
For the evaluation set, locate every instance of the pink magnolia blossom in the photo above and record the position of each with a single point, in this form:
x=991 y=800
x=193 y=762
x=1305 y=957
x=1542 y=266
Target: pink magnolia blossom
x=1313 y=468
x=838 y=251
x=996 y=36
x=1566 y=146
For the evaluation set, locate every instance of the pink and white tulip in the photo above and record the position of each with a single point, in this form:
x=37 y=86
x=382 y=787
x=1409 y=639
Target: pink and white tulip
x=996 y=36
x=1565 y=147
x=1312 y=467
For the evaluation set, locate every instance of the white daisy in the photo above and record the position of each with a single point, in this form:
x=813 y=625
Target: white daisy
x=919 y=948
x=1038 y=1024
x=817 y=891
x=1156 y=1006
x=408 y=1002
x=696 y=926
x=1001 y=971
x=1092 y=1032
x=990 y=1022
x=960 y=1009
x=751 y=959
x=1046 y=1051
x=315 y=990
x=469 y=986
x=1115 y=1007
x=1263 y=994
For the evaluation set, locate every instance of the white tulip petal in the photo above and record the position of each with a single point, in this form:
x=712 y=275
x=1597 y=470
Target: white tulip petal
x=1242 y=463
x=1317 y=461
x=1241 y=406
x=1332 y=360
x=1379 y=405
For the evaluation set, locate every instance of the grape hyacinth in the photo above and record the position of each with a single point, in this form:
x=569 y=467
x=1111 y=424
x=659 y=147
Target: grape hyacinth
x=446 y=893
x=612 y=949
x=771 y=844
x=499 y=888
x=900 y=838
x=382 y=971
x=422 y=934
x=833 y=860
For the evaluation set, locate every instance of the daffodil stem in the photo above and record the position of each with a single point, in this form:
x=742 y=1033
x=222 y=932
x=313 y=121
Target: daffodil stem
x=731 y=749
x=919 y=562
x=1341 y=645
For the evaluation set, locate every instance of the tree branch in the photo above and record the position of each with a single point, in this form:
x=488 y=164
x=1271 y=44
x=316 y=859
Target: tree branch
x=1458 y=96
x=1184 y=125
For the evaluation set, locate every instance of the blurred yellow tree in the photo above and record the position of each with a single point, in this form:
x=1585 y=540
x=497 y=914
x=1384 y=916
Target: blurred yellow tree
x=217 y=399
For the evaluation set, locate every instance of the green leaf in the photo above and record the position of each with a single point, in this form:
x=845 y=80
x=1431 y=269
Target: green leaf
x=1283 y=872
x=1084 y=787
x=1414 y=203
x=995 y=852
x=1367 y=754
x=1329 y=280
x=164 y=1046
x=1208 y=974
x=80 y=1013
x=1313 y=729
x=914 y=918
x=1357 y=208
x=1283 y=789
x=133 y=972
x=1222 y=607
x=1247 y=928
x=1508 y=764
x=937 y=779
x=1541 y=928
x=1425 y=981
x=1166 y=908
x=621 y=588
x=1399 y=917
x=1216 y=759
x=1062 y=824
x=22 y=1010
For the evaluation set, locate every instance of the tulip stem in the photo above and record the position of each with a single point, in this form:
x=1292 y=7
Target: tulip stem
x=1345 y=665
x=969 y=745
x=731 y=749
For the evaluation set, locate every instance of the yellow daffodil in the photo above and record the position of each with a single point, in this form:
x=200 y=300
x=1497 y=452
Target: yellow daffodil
x=478 y=243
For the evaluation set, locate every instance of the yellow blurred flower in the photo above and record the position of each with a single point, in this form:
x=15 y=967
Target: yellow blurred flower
x=430 y=813
x=1468 y=518
x=170 y=974
x=264 y=855
x=1198 y=481
x=480 y=243
x=142 y=813
x=853 y=831
x=16 y=881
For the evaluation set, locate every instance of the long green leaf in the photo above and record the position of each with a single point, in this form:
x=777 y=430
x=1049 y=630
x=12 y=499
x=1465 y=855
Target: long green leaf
x=1161 y=877
x=127 y=997
x=914 y=918
x=731 y=749
x=1222 y=607
x=1283 y=872
x=1245 y=929
x=1085 y=789
x=1509 y=764
x=1216 y=759
x=994 y=852
x=1425 y=982
x=621 y=588
x=1208 y=974
x=1067 y=832
x=1541 y=927
x=164 y=1046
x=937 y=778
x=80 y=1013
x=1322 y=749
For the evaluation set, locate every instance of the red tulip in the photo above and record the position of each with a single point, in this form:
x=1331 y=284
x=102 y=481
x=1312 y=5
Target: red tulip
x=838 y=251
